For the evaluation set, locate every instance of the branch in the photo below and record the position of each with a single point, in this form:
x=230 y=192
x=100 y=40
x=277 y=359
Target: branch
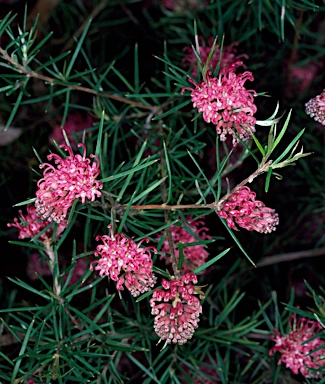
x=53 y=81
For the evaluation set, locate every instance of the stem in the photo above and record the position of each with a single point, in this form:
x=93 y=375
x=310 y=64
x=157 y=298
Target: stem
x=50 y=253
x=217 y=205
x=53 y=81
x=166 y=214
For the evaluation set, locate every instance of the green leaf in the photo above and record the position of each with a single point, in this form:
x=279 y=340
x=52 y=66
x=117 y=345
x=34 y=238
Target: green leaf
x=211 y=262
x=22 y=350
x=77 y=50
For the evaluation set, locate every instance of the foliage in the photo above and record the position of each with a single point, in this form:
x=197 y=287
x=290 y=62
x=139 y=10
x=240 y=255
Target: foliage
x=161 y=165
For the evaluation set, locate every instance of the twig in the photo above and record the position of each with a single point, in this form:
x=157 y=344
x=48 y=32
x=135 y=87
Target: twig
x=53 y=81
x=290 y=256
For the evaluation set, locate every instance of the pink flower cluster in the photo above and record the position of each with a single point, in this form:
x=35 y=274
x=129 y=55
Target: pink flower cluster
x=74 y=125
x=228 y=55
x=195 y=255
x=31 y=225
x=183 y=6
x=73 y=177
x=315 y=108
x=205 y=368
x=125 y=262
x=176 y=309
x=301 y=77
x=242 y=209
x=37 y=265
x=298 y=352
x=225 y=102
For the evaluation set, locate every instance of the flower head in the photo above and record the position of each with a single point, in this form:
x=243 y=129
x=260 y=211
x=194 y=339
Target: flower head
x=228 y=55
x=225 y=102
x=176 y=309
x=74 y=125
x=125 y=262
x=242 y=209
x=73 y=177
x=194 y=255
x=298 y=351
x=31 y=225
x=183 y=6
x=316 y=108
x=300 y=77
x=37 y=265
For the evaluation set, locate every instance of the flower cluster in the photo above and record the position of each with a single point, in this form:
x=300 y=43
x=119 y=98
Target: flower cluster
x=315 y=108
x=31 y=225
x=37 y=265
x=194 y=255
x=301 y=77
x=176 y=309
x=300 y=350
x=74 y=125
x=225 y=102
x=242 y=209
x=73 y=177
x=228 y=55
x=125 y=262
x=183 y=6
x=204 y=368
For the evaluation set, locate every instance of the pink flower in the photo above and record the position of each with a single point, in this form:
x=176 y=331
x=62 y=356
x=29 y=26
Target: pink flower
x=296 y=348
x=183 y=6
x=176 y=309
x=301 y=77
x=75 y=124
x=228 y=55
x=316 y=108
x=205 y=368
x=31 y=225
x=125 y=262
x=195 y=255
x=242 y=209
x=73 y=177
x=225 y=102
x=36 y=264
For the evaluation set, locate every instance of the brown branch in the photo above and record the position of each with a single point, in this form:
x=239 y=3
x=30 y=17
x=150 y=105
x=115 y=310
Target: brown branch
x=290 y=256
x=52 y=81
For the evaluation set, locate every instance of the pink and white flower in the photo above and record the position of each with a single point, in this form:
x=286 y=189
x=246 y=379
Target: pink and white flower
x=31 y=225
x=176 y=309
x=72 y=178
x=300 y=350
x=125 y=262
x=315 y=108
x=75 y=124
x=228 y=55
x=226 y=103
x=194 y=255
x=242 y=209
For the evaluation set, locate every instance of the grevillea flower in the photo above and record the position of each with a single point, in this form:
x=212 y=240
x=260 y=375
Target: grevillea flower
x=228 y=55
x=298 y=351
x=73 y=177
x=205 y=368
x=195 y=255
x=31 y=225
x=301 y=77
x=183 y=6
x=37 y=264
x=315 y=108
x=75 y=124
x=176 y=309
x=125 y=262
x=242 y=209
x=225 y=102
